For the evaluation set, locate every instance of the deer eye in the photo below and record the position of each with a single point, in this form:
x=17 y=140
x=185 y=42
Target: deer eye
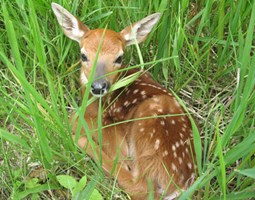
x=119 y=60
x=84 y=57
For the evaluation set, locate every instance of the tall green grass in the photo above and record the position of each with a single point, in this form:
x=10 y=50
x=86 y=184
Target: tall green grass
x=203 y=50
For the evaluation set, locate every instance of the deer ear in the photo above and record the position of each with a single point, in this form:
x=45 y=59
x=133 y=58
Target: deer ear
x=72 y=27
x=138 y=31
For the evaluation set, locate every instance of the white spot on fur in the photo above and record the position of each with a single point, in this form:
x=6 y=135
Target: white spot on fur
x=172 y=121
x=162 y=122
x=180 y=160
x=126 y=103
x=177 y=144
x=189 y=165
x=175 y=154
x=134 y=101
x=143 y=92
x=135 y=91
x=156 y=146
x=173 y=147
x=141 y=129
x=165 y=153
x=160 y=110
x=174 y=167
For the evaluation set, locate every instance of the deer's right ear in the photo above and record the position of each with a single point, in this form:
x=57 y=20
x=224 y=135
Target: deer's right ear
x=72 y=27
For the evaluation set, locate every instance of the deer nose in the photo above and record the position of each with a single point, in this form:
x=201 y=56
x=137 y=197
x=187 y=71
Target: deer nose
x=100 y=87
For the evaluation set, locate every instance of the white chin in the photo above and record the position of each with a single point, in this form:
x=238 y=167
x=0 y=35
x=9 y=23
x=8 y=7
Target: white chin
x=98 y=95
x=84 y=79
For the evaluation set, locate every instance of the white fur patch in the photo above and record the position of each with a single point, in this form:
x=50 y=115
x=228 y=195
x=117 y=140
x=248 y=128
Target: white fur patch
x=83 y=50
x=141 y=29
x=68 y=22
x=172 y=196
x=84 y=79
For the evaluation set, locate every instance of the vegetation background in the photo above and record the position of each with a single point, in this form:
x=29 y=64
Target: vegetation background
x=202 y=49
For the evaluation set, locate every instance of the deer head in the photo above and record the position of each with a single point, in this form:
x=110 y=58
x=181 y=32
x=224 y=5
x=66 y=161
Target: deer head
x=111 y=43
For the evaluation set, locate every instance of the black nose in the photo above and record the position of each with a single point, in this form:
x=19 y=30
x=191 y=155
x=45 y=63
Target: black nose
x=100 y=87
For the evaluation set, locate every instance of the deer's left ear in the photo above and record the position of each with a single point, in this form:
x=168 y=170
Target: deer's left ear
x=72 y=27
x=138 y=31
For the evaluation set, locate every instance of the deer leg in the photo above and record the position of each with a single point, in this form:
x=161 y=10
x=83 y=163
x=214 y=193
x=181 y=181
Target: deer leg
x=138 y=189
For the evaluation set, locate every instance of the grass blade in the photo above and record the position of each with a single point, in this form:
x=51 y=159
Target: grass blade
x=14 y=139
x=247 y=172
x=12 y=39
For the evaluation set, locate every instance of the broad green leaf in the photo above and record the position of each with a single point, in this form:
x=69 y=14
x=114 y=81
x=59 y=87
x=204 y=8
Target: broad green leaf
x=32 y=183
x=80 y=185
x=67 y=181
x=88 y=190
x=96 y=195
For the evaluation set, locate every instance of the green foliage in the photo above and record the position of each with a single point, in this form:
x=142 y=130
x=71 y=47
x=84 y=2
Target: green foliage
x=203 y=50
x=248 y=172
x=76 y=187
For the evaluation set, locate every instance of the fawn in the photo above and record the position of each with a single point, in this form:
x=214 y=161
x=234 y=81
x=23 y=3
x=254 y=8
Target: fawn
x=156 y=143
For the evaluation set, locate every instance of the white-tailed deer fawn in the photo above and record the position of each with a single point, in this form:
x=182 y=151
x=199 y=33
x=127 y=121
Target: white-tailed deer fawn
x=155 y=143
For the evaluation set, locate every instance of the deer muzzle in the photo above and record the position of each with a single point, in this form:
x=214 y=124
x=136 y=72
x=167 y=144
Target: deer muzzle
x=100 y=85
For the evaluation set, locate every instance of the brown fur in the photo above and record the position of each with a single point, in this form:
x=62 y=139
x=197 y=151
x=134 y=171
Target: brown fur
x=168 y=167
